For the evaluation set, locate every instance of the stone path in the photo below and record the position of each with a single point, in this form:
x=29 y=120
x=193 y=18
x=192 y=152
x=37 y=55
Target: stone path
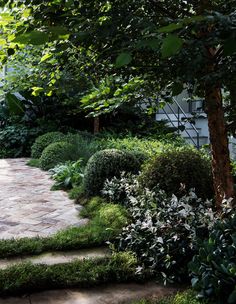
x=27 y=206
x=52 y=258
x=109 y=294
x=27 y=209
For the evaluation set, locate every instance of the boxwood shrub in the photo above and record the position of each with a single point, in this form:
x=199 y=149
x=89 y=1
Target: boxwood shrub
x=106 y=164
x=45 y=140
x=177 y=170
x=56 y=153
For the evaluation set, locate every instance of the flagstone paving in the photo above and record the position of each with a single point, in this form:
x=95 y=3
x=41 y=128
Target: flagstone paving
x=27 y=206
x=52 y=258
x=109 y=294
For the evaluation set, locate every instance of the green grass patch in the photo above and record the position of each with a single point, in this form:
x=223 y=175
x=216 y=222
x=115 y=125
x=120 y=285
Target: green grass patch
x=26 y=277
x=34 y=163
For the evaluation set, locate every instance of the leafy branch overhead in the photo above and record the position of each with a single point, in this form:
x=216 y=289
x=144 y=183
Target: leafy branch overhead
x=110 y=94
x=173 y=44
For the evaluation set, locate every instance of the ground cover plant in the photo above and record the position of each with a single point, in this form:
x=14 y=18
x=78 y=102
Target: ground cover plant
x=26 y=277
x=186 y=297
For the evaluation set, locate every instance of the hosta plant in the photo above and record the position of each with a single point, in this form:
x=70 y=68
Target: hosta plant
x=68 y=175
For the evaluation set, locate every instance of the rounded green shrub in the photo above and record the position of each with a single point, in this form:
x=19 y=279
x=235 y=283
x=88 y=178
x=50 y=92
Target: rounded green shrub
x=56 y=153
x=178 y=170
x=43 y=141
x=106 y=164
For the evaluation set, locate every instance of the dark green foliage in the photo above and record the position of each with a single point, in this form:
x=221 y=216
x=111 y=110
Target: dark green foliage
x=43 y=141
x=56 y=153
x=23 y=278
x=107 y=164
x=213 y=268
x=76 y=192
x=120 y=189
x=144 y=148
x=85 y=145
x=16 y=140
x=179 y=169
x=105 y=214
x=68 y=175
x=162 y=230
x=92 y=206
x=186 y=297
x=133 y=120
x=34 y=163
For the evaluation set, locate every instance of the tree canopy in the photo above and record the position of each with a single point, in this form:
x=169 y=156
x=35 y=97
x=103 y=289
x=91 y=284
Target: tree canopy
x=171 y=44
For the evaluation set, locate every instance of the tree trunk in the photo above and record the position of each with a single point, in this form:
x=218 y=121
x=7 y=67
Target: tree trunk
x=221 y=168
x=96 y=125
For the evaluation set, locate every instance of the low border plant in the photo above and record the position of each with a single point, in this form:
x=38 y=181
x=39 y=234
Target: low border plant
x=26 y=277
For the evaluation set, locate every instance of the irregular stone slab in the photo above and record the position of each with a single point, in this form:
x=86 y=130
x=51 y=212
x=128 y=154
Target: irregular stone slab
x=27 y=206
x=21 y=300
x=112 y=294
x=52 y=258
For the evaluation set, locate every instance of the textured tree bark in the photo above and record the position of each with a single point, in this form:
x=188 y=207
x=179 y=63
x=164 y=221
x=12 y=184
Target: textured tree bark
x=221 y=168
x=96 y=125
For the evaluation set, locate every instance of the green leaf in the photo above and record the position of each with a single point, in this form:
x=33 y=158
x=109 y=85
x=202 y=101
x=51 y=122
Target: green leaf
x=170 y=28
x=37 y=91
x=14 y=104
x=181 y=128
x=5 y=19
x=59 y=30
x=153 y=44
x=123 y=59
x=33 y=37
x=230 y=46
x=177 y=88
x=45 y=57
x=232 y=297
x=194 y=282
x=171 y=45
x=189 y=20
x=3 y=42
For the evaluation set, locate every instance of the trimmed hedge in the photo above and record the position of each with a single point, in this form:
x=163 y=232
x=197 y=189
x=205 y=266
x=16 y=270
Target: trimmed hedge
x=56 y=153
x=178 y=170
x=106 y=164
x=45 y=140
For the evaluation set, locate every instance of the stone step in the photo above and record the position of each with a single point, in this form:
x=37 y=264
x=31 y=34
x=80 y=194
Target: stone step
x=52 y=258
x=106 y=294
